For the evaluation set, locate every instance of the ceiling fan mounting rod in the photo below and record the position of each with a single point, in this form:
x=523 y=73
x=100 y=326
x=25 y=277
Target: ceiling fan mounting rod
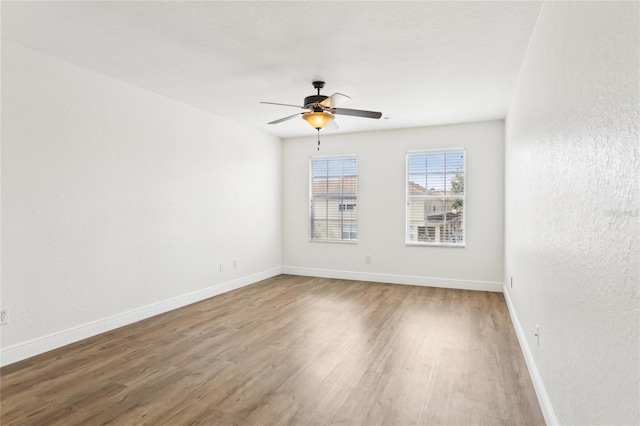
x=318 y=85
x=313 y=101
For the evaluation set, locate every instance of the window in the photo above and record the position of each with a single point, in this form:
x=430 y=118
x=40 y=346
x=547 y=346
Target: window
x=333 y=192
x=436 y=198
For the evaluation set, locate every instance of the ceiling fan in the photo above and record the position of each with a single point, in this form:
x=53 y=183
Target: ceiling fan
x=321 y=109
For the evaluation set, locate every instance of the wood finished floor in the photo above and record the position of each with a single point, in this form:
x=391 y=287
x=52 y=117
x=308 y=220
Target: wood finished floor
x=290 y=350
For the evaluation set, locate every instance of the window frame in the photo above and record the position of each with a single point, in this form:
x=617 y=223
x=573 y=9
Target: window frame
x=343 y=204
x=463 y=197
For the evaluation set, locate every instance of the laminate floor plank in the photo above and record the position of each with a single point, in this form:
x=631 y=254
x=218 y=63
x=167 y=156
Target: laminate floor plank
x=290 y=350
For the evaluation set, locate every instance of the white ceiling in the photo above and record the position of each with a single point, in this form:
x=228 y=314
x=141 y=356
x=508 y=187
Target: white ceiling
x=419 y=63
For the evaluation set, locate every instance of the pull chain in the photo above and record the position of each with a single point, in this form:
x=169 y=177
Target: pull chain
x=318 y=139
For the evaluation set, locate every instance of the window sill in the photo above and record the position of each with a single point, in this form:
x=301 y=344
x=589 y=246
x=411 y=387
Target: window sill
x=417 y=244
x=334 y=241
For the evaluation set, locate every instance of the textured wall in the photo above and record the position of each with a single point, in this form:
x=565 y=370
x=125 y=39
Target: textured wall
x=381 y=204
x=114 y=198
x=572 y=199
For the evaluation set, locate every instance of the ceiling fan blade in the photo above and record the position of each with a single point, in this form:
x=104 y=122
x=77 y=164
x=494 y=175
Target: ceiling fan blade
x=357 y=112
x=285 y=118
x=273 y=103
x=335 y=100
x=332 y=125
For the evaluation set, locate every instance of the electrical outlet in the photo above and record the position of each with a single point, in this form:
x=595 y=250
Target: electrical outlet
x=511 y=282
x=4 y=316
x=537 y=334
x=367 y=259
x=235 y=263
x=221 y=267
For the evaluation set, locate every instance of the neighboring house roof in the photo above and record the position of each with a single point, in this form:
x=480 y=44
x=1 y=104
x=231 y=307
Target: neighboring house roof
x=347 y=185
x=417 y=189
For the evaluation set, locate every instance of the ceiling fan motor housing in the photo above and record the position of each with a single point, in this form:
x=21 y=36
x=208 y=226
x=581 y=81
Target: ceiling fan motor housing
x=314 y=99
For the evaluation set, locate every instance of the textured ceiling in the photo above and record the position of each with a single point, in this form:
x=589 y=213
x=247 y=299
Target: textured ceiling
x=420 y=63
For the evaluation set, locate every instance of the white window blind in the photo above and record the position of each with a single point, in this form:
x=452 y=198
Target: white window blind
x=333 y=196
x=436 y=198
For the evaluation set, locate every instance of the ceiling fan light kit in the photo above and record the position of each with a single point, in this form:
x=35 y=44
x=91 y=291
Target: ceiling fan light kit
x=318 y=120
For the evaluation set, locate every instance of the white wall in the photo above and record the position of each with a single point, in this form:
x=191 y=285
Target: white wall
x=572 y=199
x=381 y=209
x=115 y=198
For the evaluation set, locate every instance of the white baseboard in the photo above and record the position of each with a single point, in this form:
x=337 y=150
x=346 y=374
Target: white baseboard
x=395 y=279
x=56 y=340
x=538 y=385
